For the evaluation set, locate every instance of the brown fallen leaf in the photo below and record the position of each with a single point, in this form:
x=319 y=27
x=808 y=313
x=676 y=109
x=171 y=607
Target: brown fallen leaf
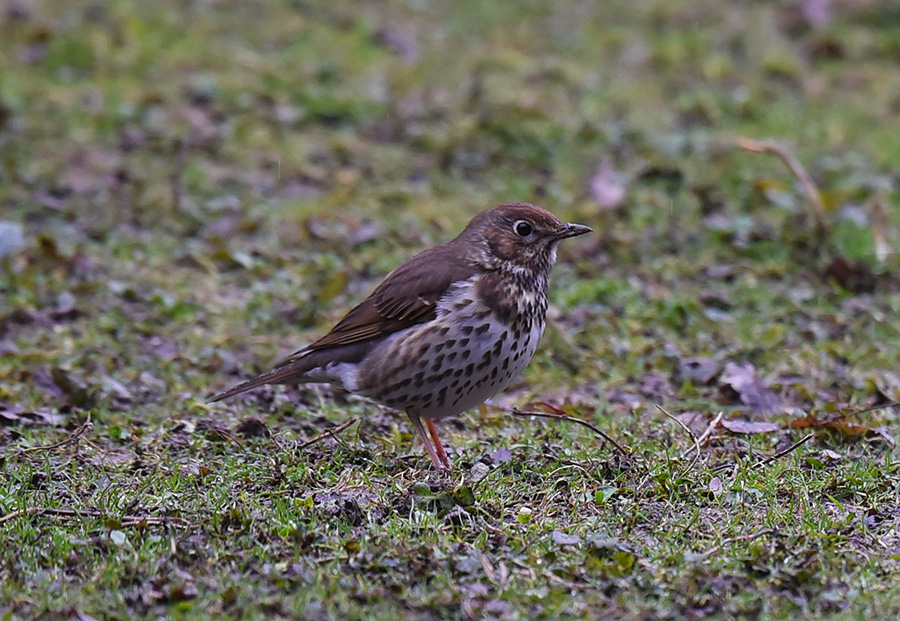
x=695 y=421
x=832 y=420
x=545 y=407
x=698 y=371
x=251 y=427
x=746 y=426
x=740 y=383
x=853 y=276
x=839 y=423
x=12 y=414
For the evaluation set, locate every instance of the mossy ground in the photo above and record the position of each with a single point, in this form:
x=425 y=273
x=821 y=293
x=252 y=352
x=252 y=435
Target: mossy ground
x=205 y=186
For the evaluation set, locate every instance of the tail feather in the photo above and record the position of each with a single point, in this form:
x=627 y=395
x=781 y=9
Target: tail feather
x=280 y=375
x=308 y=365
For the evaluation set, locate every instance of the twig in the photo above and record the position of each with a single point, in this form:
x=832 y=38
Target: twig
x=879 y=224
x=152 y=520
x=709 y=429
x=692 y=436
x=274 y=439
x=128 y=520
x=36 y=510
x=624 y=451
x=725 y=466
x=569 y=585
x=780 y=454
x=686 y=429
x=85 y=428
x=873 y=408
x=809 y=186
x=728 y=540
x=328 y=433
x=229 y=436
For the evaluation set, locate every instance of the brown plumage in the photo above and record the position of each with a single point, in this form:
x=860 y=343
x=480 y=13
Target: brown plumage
x=445 y=330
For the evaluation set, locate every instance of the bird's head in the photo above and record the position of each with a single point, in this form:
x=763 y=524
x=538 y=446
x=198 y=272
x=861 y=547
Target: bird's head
x=518 y=237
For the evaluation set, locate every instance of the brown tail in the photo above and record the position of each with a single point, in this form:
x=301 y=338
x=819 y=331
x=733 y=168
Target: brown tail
x=278 y=376
x=303 y=366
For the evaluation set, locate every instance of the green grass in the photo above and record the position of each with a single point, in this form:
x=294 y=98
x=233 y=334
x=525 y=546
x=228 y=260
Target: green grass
x=205 y=187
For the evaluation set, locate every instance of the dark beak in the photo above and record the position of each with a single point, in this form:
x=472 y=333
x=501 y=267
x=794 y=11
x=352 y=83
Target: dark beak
x=571 y=230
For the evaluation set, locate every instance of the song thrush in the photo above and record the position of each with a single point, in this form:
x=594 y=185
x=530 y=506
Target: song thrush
x=446 y=330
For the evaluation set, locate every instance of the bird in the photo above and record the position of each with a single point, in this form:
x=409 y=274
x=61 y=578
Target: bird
x=446 y=330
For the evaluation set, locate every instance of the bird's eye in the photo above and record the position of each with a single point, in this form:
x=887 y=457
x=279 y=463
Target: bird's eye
x=522 y=228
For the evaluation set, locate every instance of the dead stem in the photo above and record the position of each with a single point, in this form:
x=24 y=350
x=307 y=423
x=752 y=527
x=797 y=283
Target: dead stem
x=780 y=454
x=128 y=520
x=624 y=451
x=692 y=436
x=328 y=433
x=83 y=430
x=728 y=540
x=809 y=186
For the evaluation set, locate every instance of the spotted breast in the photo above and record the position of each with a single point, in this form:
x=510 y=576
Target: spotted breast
x=485 y=334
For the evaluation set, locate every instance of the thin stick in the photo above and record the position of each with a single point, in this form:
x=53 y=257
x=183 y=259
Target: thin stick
x=152 y=520
x=128 y=520
x=624 y=451
x=683 y=426
x=569 y=585
x=709 y=429
x=728 y=540
x=229 y=436
x=692 y=436
x=274 y=438
x=809 y=186
x=328 y=433
x=780 y=454
x=873 y=408
x=85 y=428
x=879 y=224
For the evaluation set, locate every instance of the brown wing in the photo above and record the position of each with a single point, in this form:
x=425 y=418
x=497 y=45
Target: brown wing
x=407 y=296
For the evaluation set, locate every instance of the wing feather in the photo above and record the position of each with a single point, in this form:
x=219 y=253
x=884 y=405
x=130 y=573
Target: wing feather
x=407 y=296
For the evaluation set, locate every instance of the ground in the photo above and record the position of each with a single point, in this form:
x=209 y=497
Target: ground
x=191 y=190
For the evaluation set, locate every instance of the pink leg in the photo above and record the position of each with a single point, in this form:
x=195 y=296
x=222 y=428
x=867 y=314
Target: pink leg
x=434 y=458
x=441 y=453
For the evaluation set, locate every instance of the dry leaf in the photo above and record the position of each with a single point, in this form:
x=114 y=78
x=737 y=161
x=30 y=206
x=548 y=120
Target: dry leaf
x=698 y=371
x=607 y=185
x=545 y=407
x=746 y=426
x=855 y=276
x=16 y=415
x=838 y=422
x=740 y=383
